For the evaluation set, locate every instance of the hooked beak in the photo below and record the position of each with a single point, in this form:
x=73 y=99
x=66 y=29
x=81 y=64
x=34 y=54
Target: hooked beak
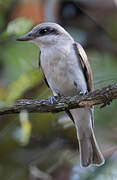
x=26 y=37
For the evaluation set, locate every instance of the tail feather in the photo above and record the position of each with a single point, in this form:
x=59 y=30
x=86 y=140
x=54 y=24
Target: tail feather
x=89 y=150
x=90 y=153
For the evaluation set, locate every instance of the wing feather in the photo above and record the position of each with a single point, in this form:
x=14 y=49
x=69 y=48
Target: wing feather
x=85 y=65
x=86 y=69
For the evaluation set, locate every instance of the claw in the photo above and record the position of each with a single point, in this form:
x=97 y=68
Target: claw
x=52 y=99
x=82 y=92
x=86 y=92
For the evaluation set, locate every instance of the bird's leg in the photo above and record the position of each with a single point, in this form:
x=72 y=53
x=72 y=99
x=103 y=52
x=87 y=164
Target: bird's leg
x=53 y=99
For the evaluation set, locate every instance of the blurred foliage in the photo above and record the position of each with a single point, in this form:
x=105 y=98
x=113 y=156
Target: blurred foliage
x=23 y=134
x=19 y=26
x=23 y=83
x=4 y=5
x=111 y=29
x=47 y=141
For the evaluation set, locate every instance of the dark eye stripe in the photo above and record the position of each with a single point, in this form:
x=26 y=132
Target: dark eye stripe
x=46 y=31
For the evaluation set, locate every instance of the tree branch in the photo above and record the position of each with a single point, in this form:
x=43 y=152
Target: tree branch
x=100 y=96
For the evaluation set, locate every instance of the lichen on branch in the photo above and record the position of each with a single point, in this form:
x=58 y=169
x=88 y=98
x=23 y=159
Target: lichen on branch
x=101 y=96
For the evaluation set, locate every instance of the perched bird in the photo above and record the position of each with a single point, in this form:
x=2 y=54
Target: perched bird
x=67 y=72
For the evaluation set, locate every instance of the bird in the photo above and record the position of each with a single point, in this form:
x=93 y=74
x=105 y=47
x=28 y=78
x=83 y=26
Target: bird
x=67 y=72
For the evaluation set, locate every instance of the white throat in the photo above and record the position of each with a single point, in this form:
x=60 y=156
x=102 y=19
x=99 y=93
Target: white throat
x=53 y=41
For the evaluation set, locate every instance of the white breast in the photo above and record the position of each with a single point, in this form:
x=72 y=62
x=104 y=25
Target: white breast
x=62 y=68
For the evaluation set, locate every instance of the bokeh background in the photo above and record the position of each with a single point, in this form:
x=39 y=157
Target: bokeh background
x=44 y=146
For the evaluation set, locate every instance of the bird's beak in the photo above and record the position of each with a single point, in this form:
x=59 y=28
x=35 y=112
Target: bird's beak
x=26 y=37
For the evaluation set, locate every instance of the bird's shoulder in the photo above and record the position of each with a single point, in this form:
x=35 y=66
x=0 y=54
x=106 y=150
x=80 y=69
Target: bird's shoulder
x=80 y=52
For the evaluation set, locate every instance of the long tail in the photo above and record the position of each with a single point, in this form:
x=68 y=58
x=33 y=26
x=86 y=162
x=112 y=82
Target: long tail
x=89 y=150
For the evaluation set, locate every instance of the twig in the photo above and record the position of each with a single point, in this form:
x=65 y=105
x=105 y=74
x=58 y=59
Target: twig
x=100 y=96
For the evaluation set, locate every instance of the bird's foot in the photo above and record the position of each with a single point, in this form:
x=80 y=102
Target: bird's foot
x=82 y=92
x=52 y=99
x=107 y=100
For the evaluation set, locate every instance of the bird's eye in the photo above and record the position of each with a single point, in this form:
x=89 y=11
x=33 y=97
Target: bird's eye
x=46 y=31
x=43 y=32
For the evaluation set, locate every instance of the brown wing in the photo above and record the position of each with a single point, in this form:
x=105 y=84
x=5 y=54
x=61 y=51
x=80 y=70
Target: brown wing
x=87 y=70
x=85 y=65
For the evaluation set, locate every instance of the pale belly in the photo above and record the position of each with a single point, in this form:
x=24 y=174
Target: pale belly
x=63 y=72
x=60 y=83
x=65 y=79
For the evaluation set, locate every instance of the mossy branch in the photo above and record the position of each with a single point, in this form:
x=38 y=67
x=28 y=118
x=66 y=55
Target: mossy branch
x=101 y=96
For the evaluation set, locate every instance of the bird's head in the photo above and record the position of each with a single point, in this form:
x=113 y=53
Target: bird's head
x=47 y=34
